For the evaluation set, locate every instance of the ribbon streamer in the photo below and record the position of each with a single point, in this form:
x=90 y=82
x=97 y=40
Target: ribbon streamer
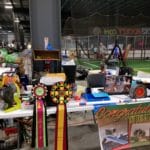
x=61 y=93
x=61 y=133
x=39 y=126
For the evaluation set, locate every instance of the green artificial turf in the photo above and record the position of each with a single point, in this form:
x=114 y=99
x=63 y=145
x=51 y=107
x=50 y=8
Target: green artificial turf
x=137 y=65
x=89 y=63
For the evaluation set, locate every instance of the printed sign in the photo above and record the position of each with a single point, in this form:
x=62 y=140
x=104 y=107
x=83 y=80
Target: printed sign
x=124 y=126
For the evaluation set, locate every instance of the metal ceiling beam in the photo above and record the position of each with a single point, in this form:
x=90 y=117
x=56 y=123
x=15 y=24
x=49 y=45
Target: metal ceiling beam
x=21 y=3
x=74 y=2
x=3 y=23
x=12 y=3
x=64 y=4
x=107 y=7
x=25 y=22
x=22 y=11
x=91 y=5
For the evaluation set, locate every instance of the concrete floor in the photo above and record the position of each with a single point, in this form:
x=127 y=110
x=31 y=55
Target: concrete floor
x=83 y=137
x=82 y=132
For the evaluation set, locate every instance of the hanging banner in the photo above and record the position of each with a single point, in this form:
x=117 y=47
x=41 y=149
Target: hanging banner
x=124 y=126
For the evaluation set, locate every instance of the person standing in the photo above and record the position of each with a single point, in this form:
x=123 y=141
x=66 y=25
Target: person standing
x=103 y=68
x=102 y=50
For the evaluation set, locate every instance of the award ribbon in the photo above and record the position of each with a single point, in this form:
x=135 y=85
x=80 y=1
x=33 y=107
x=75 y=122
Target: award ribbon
x=61 y=93
x=39 y=127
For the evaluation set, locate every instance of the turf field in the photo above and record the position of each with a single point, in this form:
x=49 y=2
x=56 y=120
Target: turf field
x=137 y=65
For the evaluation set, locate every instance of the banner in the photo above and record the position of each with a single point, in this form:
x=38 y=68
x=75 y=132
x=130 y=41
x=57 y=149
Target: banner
x=123 y=127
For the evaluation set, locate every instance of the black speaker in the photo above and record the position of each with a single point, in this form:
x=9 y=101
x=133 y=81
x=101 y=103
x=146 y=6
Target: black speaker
x=96 y=80
x=70 y=72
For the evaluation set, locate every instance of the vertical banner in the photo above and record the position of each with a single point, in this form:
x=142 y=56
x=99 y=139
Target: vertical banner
x=124 y=126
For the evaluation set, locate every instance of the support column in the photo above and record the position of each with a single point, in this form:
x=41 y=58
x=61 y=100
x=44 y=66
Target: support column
x=45 y=16
x=21 y=37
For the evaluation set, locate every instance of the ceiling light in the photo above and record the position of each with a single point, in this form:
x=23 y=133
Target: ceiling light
x=0 y=27
x=8 y=7
x=8 y=3
x=29 y=46
x=16 y=20
x=9 y=31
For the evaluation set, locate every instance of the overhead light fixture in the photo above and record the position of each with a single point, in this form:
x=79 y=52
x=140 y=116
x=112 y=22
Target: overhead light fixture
x=8 y=6
x=29 y=46
x=0 y=27
x=8 y=3
x=16 y=20
x=9 y=31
